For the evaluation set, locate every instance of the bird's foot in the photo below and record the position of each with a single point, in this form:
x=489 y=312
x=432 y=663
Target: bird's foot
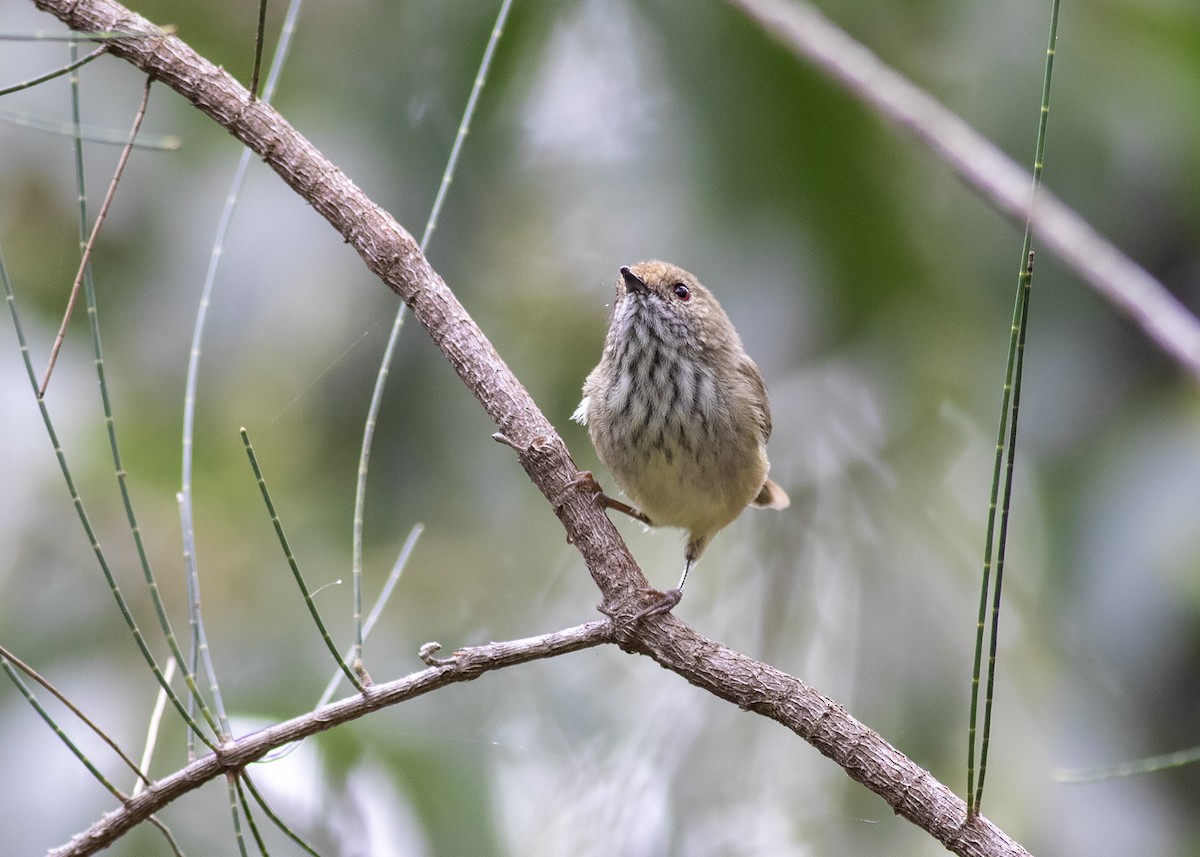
x=663 y=603
x=586 y=481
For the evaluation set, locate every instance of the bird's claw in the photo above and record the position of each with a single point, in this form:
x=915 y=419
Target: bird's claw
x=664 y=602
x=586 y=480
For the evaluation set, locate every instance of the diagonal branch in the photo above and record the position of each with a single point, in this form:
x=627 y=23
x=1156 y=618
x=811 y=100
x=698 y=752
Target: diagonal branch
x=90 y=244
x=464 y=665
x=390 y=251
x=979 y=163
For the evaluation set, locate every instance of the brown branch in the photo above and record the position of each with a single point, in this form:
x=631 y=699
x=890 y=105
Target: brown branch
x=393 y=255
x=90 y=244
x=464 y=665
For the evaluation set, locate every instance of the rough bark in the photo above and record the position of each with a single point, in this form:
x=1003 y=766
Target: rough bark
x=391 y=253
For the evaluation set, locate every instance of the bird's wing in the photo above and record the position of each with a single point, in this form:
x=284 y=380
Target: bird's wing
x=758 y=396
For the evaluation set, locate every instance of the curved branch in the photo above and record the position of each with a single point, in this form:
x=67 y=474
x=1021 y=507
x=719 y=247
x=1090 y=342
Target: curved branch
x=389 y=251
x=463 y=665
x=979 y=163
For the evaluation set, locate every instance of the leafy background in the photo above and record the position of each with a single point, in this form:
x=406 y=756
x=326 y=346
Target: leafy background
x=875 y=293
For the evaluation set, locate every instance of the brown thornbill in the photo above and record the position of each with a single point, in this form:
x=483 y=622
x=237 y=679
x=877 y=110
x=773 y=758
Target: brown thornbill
x=678 y=412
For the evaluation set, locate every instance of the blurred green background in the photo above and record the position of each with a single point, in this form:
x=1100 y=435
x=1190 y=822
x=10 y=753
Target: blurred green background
x=875 y=293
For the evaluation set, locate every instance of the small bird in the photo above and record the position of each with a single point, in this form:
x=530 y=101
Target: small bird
x=678 y=412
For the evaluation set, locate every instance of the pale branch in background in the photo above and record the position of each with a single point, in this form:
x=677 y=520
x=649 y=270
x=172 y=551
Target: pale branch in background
x=979 y=163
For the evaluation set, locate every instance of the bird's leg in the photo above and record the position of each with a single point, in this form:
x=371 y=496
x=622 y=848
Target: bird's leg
x=637 y=514
x=664 y=602
x=586 y=479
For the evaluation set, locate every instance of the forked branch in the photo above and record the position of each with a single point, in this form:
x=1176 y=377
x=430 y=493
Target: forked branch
x=390 y=252
x=463 y=665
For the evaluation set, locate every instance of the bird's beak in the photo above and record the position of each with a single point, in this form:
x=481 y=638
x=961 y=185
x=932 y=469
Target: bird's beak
x=633 y=283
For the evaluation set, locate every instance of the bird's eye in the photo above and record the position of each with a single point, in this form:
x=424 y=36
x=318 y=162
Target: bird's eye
x=682 y=292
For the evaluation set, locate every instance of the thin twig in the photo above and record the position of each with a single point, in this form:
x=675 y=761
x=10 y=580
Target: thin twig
x=77 y=501
x=92 y=133
x=7 y=662
x=360 y=683
x=160 y=705
x=187 y=521
x=389 y=351
x=385 y=595
x=58 y=72
x=79 y=35
x=259 y=38
x=1006 y=447
x=7 y=657
x=1148 y=765
x=467 y=664
x=91 y=241
x=231 y=789
x=244 y=781
x=110 y=425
